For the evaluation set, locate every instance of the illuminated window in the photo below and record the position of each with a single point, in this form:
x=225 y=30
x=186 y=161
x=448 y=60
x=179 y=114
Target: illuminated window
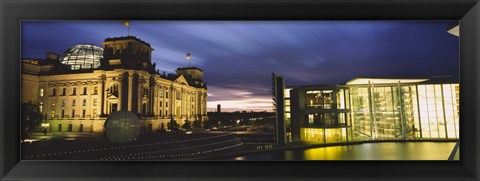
x=95 y=102
x=41 y=92
x=341 y=119
x=328 y=119
x=40 y=107
x=319 y=99
x=341 y=99
x=347 y=98
x=310 y=118
x=313 y=135
x=63 y=103
x=84 y=102
x=53 y=103
x=94 y=112
x=52 y=114
x=287 y=93
x=160 y=94
x=335 y=135
x=73 y=102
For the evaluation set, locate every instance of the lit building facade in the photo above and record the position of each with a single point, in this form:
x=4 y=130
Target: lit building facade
x=373 y=109
x=78 y=90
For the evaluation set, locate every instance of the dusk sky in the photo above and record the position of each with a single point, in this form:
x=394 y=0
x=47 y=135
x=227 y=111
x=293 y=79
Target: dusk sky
x=238 y=57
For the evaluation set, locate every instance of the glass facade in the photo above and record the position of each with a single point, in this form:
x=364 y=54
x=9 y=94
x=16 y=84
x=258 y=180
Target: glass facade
x=84 y=56
x=320 y=99
x=377 y=111
x=323 y=135
x=438 y=110
x=288 y=117
x=405 y=111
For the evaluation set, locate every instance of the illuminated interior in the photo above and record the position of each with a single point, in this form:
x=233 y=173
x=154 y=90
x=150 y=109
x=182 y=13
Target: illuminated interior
x=323 y=135
x=406 y=111
x=287 y=114
x=84 y=56
x=390 y=109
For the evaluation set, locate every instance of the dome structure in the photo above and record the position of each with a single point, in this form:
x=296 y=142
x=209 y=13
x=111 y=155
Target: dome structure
x=83 y=56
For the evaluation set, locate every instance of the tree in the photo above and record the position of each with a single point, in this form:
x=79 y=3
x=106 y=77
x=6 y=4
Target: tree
x=207 y=124
x=197 y=124
x=186 y=125
x=172 y=125
x=31 y=118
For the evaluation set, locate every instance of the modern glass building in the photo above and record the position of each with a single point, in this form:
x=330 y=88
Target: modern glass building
x=373 y=109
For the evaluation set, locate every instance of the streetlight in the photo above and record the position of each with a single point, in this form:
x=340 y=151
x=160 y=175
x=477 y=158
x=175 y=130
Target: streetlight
x=45 y=125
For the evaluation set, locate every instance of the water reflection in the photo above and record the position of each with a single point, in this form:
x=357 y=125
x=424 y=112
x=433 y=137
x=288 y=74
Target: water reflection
x=368 y=151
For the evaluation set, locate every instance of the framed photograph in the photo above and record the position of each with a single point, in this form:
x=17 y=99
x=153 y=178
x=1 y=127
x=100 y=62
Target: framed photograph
x=240 y=90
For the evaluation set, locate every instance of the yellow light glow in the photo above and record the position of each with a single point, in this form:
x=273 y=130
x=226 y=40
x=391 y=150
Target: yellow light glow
x=312 y=135
x=335 y=135
x=365 y=81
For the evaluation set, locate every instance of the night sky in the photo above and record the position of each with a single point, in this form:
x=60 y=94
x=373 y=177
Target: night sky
x=238 y=57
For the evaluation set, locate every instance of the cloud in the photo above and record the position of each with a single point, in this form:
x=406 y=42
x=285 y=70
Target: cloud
x=238 y=57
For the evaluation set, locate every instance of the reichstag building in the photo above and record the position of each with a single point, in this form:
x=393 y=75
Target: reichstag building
x=78 y=90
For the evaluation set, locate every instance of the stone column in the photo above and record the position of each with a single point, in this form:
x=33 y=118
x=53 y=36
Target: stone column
x=151 y=96
x=102 y=96
x=139 y=96
x=172 y=101
x=120 y=94
x=130 y=92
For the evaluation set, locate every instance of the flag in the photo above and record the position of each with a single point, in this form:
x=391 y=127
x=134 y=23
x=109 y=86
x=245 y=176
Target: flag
x=126 y=23
x=188 y=56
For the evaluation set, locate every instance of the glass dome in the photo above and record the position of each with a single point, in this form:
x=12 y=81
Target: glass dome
x=83 y=56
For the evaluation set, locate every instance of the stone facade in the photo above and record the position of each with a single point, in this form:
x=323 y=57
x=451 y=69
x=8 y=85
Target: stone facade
x=81 y=100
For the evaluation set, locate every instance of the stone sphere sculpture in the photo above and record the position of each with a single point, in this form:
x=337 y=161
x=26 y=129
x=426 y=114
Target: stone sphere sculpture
x=122 y=127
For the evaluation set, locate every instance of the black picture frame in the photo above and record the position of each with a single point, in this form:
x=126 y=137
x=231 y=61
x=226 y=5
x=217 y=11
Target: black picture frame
x=12 y=12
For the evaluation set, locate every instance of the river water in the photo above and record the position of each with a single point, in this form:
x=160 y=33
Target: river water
x=366 y=151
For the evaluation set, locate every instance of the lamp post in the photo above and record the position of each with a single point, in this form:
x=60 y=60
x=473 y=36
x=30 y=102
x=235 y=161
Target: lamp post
x=45 y=125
